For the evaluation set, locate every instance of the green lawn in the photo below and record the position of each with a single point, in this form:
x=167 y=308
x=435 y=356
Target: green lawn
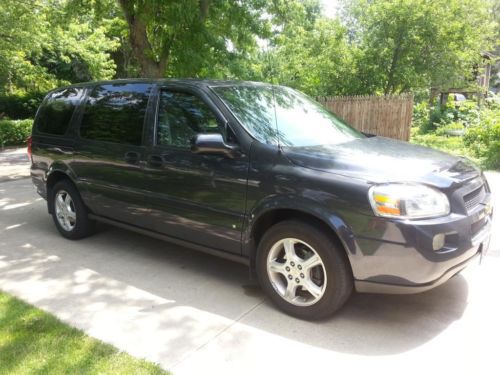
x=32 y=341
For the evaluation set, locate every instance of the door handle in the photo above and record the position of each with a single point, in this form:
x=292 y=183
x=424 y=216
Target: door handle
x=155 y=161
x=132 y=157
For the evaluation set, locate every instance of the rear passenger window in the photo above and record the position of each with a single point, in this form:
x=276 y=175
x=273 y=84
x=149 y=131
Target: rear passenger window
x=55 y=115
x=115 y=113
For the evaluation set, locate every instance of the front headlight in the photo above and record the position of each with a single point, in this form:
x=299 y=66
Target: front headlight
x=407 y=201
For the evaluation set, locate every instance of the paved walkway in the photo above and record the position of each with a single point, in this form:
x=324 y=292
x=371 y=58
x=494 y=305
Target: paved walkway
x=196 y=314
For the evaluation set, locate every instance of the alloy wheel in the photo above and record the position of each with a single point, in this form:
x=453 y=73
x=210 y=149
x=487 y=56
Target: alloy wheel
x=65 y=210
x=296 y=272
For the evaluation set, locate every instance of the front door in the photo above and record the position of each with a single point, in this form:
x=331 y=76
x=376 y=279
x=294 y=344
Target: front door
x=194 y=197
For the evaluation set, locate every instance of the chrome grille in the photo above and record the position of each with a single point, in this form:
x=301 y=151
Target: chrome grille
x=473 y=198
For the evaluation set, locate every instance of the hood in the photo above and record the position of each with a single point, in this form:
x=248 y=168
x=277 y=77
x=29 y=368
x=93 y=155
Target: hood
x=379 y=159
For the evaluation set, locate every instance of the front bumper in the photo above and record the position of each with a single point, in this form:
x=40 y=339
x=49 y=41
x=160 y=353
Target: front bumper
x=372 y=287
x=400 y=257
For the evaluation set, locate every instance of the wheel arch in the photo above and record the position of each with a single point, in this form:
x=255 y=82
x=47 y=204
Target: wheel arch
x=55 y=175
x=270 y=214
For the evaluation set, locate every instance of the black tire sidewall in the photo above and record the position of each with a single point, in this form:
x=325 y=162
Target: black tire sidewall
x=339 y=275
x=83 y=224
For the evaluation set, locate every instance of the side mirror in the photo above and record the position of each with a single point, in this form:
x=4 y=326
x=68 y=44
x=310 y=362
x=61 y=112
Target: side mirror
x=212 y=144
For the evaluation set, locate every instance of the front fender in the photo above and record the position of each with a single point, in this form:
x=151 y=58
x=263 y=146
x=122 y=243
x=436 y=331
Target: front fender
x=331 y=218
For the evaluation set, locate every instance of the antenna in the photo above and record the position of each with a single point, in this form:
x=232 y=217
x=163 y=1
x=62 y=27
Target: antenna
x=276 y=118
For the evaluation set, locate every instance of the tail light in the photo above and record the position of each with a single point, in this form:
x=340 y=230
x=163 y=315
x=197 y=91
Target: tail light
x=30 y=143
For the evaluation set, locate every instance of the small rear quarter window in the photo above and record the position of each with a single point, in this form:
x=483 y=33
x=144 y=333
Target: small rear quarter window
x=55 y=115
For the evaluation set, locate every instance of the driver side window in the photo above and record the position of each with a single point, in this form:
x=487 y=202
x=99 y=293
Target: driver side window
x=181 y=116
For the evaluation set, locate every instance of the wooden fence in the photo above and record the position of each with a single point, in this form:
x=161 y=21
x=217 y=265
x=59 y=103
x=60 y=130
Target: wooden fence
x=388 y=116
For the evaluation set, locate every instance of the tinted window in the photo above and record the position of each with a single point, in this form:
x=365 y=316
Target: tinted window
x=56 y=113
x=273 y=114
x=115 y=113
x=181 y=116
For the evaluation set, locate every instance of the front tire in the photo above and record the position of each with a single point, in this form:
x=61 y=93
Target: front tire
x=69 y=212
x=303 y=270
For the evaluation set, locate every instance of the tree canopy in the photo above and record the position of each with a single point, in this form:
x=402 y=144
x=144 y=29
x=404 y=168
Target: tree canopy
x=44 y=44
x=408 y=44
x=372 y=46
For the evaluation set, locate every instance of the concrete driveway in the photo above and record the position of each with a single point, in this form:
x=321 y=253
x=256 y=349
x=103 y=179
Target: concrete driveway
x=194 y=314
x=13 y=164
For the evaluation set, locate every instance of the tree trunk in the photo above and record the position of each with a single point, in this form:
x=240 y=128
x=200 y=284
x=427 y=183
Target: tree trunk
x=141 y=48
x=389 y=87
x=204 y=6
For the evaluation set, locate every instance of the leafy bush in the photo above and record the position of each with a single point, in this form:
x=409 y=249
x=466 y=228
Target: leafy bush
x=420 y=115
x=451 y=145
x=493 y=101
x=484 y=138
x=20 y=106
x=468 y=113
x=479 y=124
x=14 y=132
x=459 y=116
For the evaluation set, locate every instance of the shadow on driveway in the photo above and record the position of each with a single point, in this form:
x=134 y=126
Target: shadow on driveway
x=142 y=287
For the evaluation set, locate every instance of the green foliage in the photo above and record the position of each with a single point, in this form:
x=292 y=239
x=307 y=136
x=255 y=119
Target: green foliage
x=14 y=132
x=44 y=45
x=34 y=342
x=479 y=125
x=449 y=144
x=374 y=47
x=20 y=106
x=483 y=138
x=451 y=116
x=196 y=38
x=421 y=115
x=311 y=54
x=440 y=115
x=454 y=128
x=411 y=44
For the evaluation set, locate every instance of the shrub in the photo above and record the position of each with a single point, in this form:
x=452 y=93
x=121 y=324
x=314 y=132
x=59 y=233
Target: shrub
x=14 y=132
x=484 y=138
x=20 y=106
x=420 y=115
x=468 y=113
x=493 y=101
x=444 y=125
x=452 y=145
x=465 y=113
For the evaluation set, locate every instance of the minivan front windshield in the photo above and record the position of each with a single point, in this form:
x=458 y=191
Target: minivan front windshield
x=280 y=115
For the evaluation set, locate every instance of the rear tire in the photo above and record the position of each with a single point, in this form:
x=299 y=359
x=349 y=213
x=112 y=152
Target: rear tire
x=69 y=212
x=303 y=270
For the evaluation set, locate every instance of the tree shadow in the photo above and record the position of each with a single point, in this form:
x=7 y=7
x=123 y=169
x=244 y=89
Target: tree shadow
x=371 y=324
x=157 y=286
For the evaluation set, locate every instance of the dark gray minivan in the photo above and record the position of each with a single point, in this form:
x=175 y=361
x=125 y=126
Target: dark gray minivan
x=262 y=175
